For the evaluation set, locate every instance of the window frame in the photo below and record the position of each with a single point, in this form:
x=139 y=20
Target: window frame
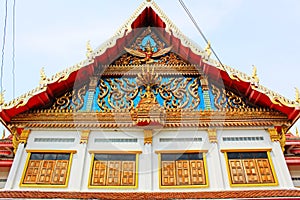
x=29 y=152
x=92 y=153
x=267 y=151
x=160 y=152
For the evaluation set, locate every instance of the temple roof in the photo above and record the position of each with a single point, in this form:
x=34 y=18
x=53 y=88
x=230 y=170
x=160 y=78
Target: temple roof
x=148 y=14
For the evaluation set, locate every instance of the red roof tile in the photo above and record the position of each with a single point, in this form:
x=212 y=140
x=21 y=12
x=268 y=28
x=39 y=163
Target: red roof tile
x=265 y=194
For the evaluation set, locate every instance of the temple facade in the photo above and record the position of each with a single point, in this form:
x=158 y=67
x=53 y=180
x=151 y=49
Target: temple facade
x=150 y=114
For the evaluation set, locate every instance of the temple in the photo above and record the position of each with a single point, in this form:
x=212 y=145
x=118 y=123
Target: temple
x=149 y=114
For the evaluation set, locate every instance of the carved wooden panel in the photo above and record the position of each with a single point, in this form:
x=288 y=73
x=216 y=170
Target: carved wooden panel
x=113 y=173
x=99 y=173
x=183 y=172
x=32 y=172
x=46 y=171
x=250 y=170
x=197 y=172
x=128 y=173
x=236 y=170
x=168 y=173
x=265 y=171
x=60 y=172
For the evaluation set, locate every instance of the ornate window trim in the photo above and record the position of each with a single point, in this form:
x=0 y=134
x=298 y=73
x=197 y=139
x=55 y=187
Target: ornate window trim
x=136 y=153
x=203 y=152
x=271 y=166
x=30 y=152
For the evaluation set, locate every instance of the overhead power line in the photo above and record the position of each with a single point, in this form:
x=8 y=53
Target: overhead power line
x=14 y=48
x=3 y=45
x=201 y=33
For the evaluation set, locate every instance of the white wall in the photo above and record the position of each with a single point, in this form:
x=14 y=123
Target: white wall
x=148 y=159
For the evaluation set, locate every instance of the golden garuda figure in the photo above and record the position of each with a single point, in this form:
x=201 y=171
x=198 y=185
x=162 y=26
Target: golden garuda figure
x=148 y=53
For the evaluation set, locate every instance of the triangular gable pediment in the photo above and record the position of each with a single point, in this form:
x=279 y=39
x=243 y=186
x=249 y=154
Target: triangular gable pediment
x=193 y=64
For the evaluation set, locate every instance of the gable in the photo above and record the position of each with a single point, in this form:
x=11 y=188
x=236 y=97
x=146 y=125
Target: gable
x=91 y=84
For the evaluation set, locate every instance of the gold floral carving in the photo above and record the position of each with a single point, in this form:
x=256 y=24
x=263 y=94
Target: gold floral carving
x=148 y=136
x=212 y=135
x=84 y=136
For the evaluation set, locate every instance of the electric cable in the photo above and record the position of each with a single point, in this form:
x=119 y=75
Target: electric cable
x=14 y=48
x=201 y=33
x=3 y=46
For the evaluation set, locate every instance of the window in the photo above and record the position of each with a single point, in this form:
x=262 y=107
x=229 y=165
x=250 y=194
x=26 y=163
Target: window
x=47 y=169
x=113 y=170
x=183 y=169
x=250 y=168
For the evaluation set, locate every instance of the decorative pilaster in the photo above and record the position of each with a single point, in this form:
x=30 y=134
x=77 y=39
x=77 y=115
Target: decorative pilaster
x=24 y=136
x=274 y=136
x=148 y=136
x=212 y=135
x=91 y=93
x=205 y=90
x=84 y=136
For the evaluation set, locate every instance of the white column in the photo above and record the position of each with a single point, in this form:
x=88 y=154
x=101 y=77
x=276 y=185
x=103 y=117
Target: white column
x=281 y=169
x=215 y=169
x=15 y=168
x=82 y=164
x=147 y=170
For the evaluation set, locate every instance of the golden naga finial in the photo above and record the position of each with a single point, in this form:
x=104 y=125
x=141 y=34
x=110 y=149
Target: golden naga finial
x=89 y=50
x=3 y=134
x=43 y=77
x=2 y=98
x=297 y=97
x=254 y=75
x=208 y=49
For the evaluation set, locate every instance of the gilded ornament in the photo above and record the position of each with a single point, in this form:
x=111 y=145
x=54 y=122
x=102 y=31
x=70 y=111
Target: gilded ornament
x=254 y=76
x=89 y=49
x=147 y=53
x=148 y=134
x=24 y=136
x=212 y=135
x=84 y=136
x=297 y=97
x=274 y=136
x=2 y=98
x=43 y=77
x=208 y=49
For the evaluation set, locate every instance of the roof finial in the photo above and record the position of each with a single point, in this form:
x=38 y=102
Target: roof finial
x=2 y=98
x=43 y=77
x=297 y=132
x=254 y=75
x=3 y=134
x=208 y=49
x=89 y=50
x=297 y=97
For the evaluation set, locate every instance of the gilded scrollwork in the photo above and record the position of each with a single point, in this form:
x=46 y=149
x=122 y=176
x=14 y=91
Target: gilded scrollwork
x=125 y=92
x=71 y=100
x=227 y=99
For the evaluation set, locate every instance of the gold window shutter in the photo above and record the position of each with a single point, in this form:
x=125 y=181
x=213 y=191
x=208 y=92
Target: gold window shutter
x=32 y=172
x=236 y=170
x=197 y=172
x=99 y=173
x=128 y=173
x=265 y=171
x=60 y=172
x=183 y=172
x=168 y=173
x=251 y=171
x=113 y=173
x=46 y=171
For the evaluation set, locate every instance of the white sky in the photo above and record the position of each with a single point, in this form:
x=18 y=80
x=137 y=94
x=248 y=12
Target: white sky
x=53 y=34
